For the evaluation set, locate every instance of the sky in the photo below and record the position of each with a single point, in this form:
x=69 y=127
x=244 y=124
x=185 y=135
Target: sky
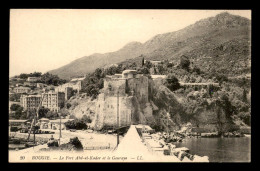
x=46 y=39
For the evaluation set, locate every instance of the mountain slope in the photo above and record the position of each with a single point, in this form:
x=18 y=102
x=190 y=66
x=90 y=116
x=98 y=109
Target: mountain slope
x=223 y=39
x=88 y=64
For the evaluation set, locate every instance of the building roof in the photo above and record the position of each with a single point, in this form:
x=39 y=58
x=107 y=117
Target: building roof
x=44 y=119
x=129 y=71
x=31 y=95
x=158 y=76
x=146 y=127
x=17 y=120
x=33 y=77
x=208 y=83
x=62 y=120
x=12 y=102
x=155 y=61
x=22 y=88
x=77 y=79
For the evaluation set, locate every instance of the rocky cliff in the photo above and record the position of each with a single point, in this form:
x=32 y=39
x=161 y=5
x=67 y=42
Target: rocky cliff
x=163 y=110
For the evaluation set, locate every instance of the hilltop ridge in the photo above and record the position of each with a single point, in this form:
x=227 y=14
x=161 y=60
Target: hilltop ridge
x=226 y=36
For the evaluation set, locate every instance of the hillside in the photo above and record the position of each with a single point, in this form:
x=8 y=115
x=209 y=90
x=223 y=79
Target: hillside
x=88 y=64
x=216 y=44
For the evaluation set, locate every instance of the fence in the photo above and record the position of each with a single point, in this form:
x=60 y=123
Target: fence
x=97 y=148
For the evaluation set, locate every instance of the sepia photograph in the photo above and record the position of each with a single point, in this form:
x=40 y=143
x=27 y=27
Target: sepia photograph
x=129 y=86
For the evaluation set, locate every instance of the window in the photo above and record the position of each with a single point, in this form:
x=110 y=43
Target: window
x=109 y=87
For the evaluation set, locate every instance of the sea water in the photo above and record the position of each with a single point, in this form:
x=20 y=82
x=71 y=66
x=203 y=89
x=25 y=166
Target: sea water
x=220 y=149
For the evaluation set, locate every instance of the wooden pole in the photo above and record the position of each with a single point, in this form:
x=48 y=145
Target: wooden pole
x=36 y=115
x=60 y=129
x=34 y=130
x=117 y=117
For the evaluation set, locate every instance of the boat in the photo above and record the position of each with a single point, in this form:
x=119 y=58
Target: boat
x=30 y=144
x=16 y=146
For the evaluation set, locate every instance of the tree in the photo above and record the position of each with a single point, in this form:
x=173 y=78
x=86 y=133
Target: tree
x=15 y=97
x=148 y=64
x=161 y=69
x=76 y=143
x=169 y=65
x=172 y=82
x=111 y=70
x=23 y=76
x=133 y=65
x=68 y=105
x=43 y=112
x=18 y=111
x=245 y=117
x=143 y=70
x=15 y=107
x=196 y=70
x=99 y=73
x=76 y=124
x=221 y=78
x=86 y=119
x=52 y=115
x=35 y=74
x=244 y=96
x=64 y=112
x=212 y=89
x=50 y=79
x=227 y=106
x=143 y=62
x=185 y=62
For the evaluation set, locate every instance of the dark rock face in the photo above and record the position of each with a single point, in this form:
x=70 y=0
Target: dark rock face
x=171 y=113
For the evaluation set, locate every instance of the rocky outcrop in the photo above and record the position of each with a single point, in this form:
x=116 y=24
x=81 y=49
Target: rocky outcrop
x=154 y=105
x=82 y=106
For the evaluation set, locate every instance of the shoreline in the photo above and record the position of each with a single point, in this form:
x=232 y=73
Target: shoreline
x=66 y=135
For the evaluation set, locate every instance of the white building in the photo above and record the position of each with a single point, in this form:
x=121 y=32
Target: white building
x=30 y=102
x=53 y=100
x=75 y=84
x=33 y=79
x=40 y=85
x=22 y=89
x=55 y=124
x=158 y=76
x=154 y=63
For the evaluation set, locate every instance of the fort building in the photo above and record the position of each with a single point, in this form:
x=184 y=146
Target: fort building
x=119 y=93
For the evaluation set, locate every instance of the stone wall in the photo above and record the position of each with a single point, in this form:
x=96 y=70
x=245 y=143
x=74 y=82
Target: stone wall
x=68 y=93
x=74 y=85
x=106 y=111
x=112 y=86
x=139 y=86
x=134 y=105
